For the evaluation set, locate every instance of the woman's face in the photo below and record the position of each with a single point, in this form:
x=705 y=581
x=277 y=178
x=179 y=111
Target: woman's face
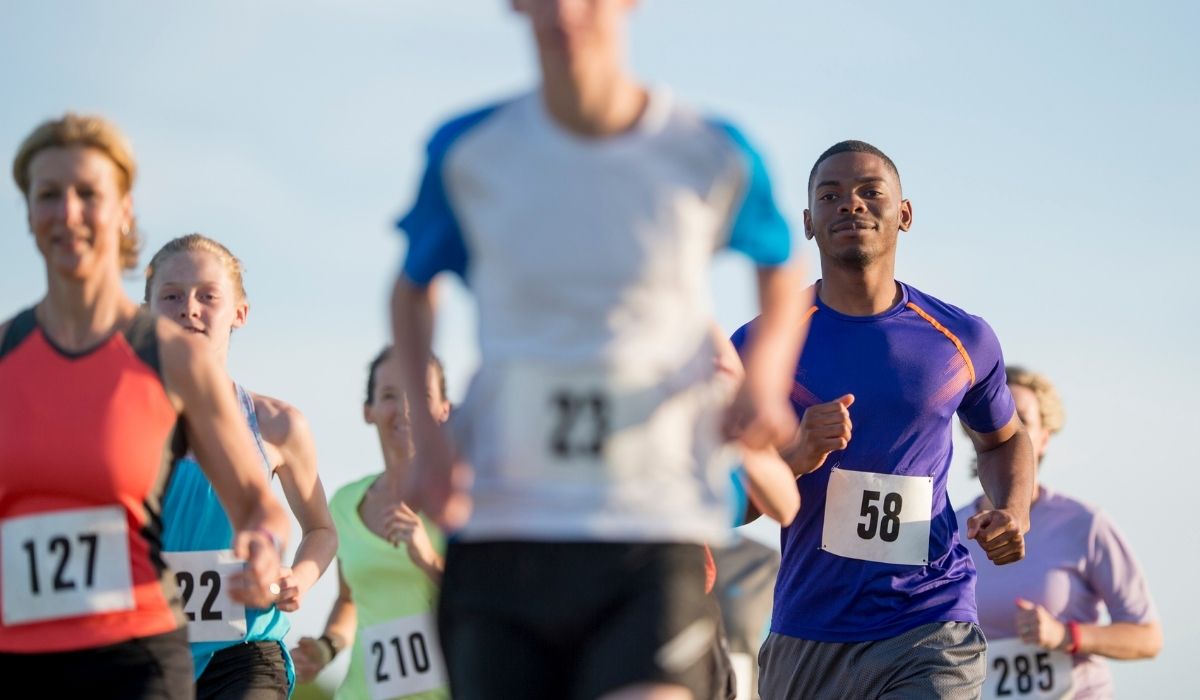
x=1030 y=413
x=389 y=408
x=77 y=211
x=194 y=289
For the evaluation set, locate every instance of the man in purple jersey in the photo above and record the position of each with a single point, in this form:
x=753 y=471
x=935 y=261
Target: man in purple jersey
x=876 y=592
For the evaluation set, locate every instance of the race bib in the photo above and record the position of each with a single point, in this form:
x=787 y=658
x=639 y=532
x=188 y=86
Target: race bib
x=65 y=564
x=586 y=426
x=878 y=517
x=402 y=657
x=212 y=615
x=1019 y=670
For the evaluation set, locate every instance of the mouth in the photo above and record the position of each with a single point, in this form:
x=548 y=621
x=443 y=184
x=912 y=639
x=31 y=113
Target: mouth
x=195 y=331
x=851 y=225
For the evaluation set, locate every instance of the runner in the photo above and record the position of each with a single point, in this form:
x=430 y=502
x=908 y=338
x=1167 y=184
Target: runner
x=97 y=400
x=1050 y=642
x=386 y=591
x=875 y=597
x=238 y=652
x=584 y=216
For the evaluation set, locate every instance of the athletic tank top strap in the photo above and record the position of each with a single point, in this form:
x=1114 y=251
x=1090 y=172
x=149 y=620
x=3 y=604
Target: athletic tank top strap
x=247 y=402
x=19 y=329
x=142 y=336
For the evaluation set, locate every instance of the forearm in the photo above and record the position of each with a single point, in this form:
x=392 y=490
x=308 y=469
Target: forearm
x=771 y=486
x=1121 y=640
x=412 y=333
x=317 y=549
x=343 y=621
x=1006 y=473
x=433 y=568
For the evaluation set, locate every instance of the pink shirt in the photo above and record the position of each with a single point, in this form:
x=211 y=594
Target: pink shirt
x=1076 y=563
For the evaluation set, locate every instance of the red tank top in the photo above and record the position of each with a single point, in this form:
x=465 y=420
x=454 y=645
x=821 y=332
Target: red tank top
x=87 y=442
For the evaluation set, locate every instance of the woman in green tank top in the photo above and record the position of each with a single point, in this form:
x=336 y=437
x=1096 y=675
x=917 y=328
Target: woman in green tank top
x=389 y=562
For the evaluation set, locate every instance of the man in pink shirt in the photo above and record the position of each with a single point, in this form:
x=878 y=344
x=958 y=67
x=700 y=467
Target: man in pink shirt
x=1042 y=615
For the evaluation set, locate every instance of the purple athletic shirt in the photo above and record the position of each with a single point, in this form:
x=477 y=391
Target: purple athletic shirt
x=1075 y=562
x=910 y=368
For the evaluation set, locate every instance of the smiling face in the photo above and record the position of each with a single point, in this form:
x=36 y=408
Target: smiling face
x=194 y=288
x=856 y=210
x=389 y=408
x=77 y=211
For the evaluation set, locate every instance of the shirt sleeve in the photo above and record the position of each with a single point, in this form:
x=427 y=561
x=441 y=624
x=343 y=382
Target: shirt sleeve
x=1116 y=576
x=988 y=404
x=435 y=240
x=740 y=338
x=758 y=229
x=740 y=496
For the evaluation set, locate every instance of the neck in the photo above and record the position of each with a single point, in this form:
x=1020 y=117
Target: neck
x=395 y=470
x=591 y=97
x=859 y=291
x=79 y=313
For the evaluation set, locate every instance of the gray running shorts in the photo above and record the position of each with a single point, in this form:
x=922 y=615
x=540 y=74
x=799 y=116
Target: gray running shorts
x=943 y=661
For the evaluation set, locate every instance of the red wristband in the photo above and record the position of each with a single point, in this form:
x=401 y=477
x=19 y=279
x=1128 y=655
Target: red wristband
x=1073 y=626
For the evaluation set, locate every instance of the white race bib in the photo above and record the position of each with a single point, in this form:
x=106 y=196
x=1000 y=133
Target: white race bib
x=402 y=657
x=64 y=564
x=584 y=425
x=878 y=517
x=1019 y=670
x=212 y=615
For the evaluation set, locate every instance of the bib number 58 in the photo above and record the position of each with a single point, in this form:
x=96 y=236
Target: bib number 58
x=886 y=527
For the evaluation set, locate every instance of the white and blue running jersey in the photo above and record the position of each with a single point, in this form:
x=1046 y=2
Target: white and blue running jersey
x=595 y=410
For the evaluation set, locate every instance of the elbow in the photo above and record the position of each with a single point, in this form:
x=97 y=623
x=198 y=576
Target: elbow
x=1154 y=642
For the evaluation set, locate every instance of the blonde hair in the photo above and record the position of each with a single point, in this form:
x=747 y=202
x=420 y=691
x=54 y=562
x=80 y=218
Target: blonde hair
x=87 y=131
x=204 y=244
x=1050 y=404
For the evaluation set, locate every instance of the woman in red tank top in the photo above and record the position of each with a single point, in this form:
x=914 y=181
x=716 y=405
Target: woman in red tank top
x=97 y=400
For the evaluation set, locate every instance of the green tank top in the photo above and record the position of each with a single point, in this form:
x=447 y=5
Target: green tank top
x=384 y=583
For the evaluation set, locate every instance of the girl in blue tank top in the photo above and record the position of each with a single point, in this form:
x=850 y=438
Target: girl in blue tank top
x=238 y=651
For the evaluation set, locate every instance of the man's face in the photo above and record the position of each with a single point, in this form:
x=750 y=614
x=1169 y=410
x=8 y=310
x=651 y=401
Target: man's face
x=571 y=28
x=856 y=209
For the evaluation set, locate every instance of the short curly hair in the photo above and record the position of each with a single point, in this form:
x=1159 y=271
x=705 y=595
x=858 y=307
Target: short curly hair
x=1050 y=404
x=89 y=131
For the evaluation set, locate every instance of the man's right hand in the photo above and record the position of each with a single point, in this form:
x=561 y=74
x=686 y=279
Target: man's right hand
x=824 y=428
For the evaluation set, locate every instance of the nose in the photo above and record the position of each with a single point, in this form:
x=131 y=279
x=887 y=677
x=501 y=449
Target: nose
x=70 y=207
x=851 y=204
x=190 y=308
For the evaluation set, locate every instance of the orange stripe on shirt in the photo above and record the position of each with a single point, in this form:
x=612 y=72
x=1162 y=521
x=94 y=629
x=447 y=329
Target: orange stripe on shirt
x=946 y=332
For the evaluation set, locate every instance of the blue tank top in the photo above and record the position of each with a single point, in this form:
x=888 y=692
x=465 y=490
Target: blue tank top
x=193 y=520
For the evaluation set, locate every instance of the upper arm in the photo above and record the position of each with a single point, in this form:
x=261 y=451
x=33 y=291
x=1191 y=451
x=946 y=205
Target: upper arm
x=286 y=429
x=984 y=442
x=1116 y=575
x=987 y=407
x=435 y=239
x=757 y=228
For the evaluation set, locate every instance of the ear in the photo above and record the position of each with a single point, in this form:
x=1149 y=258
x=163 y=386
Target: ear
x=367 y=414
x=906 y=214
x=240 y=313
x=808 y=225
x=127 y=208
x=443 y=412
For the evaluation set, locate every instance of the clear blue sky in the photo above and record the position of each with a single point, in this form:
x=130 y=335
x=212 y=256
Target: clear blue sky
x=1050 y=150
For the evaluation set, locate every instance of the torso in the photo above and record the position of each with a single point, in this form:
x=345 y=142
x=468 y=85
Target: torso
x=93 y=430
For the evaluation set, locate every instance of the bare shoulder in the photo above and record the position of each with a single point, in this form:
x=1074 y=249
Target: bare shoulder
x=280 y=423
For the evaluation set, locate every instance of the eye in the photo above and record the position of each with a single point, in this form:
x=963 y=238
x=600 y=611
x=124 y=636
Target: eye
x=873 y=193
x=169 y=296
x=827 y=197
